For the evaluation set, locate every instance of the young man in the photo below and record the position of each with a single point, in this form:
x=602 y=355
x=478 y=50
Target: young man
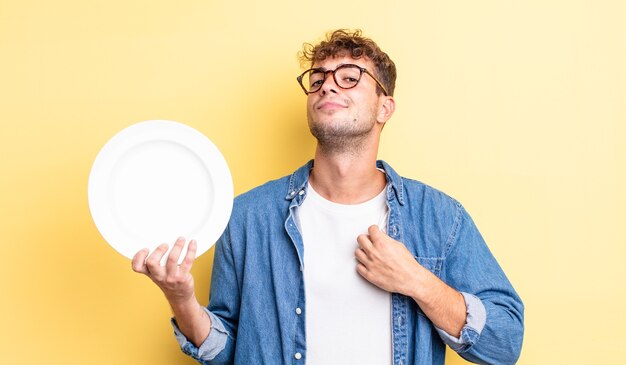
x=344 y=261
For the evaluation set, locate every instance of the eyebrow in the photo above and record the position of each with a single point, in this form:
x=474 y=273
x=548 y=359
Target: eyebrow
x=324 y=69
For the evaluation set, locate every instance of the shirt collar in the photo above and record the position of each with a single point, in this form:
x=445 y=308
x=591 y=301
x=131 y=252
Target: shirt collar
x=300 y=177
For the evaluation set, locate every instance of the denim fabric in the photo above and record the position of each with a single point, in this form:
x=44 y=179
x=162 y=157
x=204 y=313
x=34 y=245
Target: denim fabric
x=257 y=301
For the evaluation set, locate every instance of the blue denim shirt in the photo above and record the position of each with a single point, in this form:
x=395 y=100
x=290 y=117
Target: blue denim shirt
x=257 y=302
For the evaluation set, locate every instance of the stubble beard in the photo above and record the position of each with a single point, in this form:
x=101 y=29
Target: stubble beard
x=341 y=136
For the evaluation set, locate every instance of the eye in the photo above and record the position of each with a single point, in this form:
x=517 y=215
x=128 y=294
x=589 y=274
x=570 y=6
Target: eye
x=348 y=76
x=316 y=79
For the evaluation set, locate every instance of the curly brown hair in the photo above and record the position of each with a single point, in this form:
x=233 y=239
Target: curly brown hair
x=344 y=42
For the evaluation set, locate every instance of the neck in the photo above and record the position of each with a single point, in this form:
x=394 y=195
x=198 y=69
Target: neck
x=347 y=178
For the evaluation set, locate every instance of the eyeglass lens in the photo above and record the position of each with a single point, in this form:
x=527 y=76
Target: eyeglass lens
x=346 y=77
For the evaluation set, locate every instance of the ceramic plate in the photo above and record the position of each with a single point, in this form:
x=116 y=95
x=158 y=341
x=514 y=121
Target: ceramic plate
x=155 y=181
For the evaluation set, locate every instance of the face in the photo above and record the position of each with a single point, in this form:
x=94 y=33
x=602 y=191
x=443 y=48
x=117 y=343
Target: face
x=340 y=118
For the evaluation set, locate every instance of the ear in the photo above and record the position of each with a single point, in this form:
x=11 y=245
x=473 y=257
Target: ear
x=386 y=109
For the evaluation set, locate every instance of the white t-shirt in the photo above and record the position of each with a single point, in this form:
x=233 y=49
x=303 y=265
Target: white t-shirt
x=348 y=319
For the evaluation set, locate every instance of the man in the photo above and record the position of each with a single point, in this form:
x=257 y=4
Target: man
x=344 y=261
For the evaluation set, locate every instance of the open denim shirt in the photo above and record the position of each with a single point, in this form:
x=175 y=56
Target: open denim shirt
x=257 y=302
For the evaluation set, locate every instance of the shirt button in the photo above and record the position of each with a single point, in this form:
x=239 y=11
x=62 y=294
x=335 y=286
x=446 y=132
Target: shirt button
x=298 y=311
x=298 y=356
x=301 y=192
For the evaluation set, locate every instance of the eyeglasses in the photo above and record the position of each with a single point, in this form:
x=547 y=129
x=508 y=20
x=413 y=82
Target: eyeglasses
x=345 y=76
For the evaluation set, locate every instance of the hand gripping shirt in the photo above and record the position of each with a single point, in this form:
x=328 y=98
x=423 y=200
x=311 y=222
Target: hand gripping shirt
x=257 y=302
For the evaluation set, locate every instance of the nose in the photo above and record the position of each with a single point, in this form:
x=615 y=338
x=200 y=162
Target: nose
x=329 y=84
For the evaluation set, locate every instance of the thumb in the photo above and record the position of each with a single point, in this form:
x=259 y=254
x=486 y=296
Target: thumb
x=376 y=235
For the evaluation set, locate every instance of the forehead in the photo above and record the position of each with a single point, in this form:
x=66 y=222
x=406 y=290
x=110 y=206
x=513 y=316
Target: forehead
x=332 y=63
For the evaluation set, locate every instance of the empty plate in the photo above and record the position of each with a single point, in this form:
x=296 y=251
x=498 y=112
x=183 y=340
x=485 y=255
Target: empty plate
x=156 y=181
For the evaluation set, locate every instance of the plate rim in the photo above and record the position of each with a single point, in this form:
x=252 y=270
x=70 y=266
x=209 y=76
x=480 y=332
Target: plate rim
x=198 y=143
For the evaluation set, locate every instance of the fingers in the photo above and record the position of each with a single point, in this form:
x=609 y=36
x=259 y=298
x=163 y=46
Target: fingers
x=172 y=259
x=149 y=264
x=364 y=242
x=185 y=266
x=362 y=270
x=139 y=261
x=153 y=262
x=375 y=233
x=370 y=248
x=373 y=237
x=361 y=256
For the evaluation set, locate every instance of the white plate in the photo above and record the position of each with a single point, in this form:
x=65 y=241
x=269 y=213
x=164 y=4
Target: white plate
x=155 y=181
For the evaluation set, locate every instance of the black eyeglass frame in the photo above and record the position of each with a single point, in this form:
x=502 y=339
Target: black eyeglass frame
x=326 y=72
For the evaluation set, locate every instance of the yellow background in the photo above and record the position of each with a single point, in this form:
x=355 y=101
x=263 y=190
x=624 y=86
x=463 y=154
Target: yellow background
x=516 y=108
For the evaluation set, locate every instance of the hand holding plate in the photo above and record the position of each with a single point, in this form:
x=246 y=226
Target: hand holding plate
x=174 y=280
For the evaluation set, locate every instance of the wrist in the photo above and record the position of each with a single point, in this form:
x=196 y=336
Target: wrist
x=423 y=287
x=184 y=306
x=192 y=320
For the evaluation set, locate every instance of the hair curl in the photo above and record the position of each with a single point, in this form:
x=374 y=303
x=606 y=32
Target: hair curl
x=344 y=42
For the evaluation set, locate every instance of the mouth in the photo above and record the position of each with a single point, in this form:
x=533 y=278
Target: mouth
x=328 y=105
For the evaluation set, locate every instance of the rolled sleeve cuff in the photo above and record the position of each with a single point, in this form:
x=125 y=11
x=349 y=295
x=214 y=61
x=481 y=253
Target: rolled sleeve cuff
x=211 y=347
x=474 y=324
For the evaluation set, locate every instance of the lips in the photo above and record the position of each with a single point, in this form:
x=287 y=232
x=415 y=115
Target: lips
x=331 y=105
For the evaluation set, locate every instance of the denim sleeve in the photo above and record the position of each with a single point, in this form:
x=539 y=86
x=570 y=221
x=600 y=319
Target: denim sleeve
x=210 y=348
x=474 y=323
x=471 y=268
